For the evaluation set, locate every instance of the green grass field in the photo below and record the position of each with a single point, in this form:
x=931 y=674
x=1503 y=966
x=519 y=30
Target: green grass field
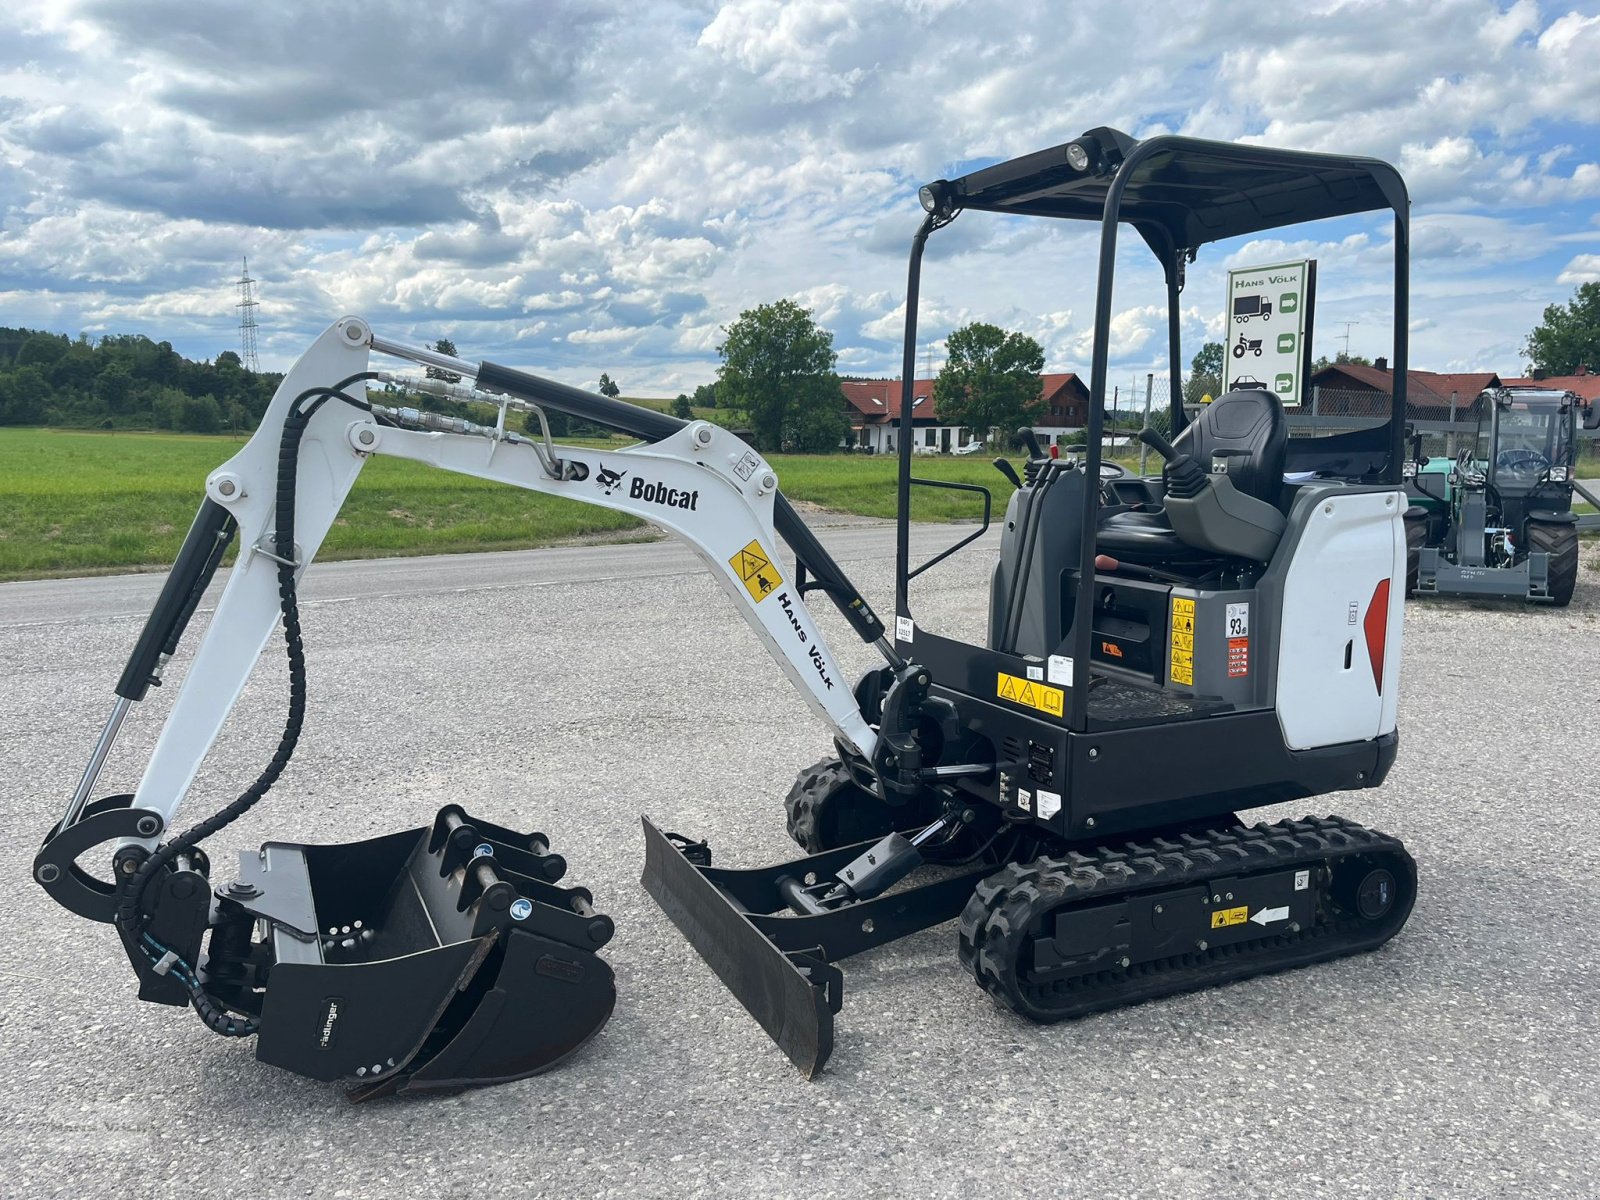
x=75 y=503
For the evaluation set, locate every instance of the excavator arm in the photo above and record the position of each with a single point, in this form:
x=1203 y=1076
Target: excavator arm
x=311 y=944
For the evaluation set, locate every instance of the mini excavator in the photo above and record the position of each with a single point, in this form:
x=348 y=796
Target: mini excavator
x=1162 y=652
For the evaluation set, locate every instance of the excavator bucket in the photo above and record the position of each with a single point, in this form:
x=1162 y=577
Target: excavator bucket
x=435 y=959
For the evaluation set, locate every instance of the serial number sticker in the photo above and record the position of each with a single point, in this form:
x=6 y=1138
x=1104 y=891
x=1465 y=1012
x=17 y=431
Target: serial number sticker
x=1182 y=641
x=1031 y=695
x=905 y=629
x=757 y=571
x=1059 y=669
x=1049 y=804
x=1224 y=917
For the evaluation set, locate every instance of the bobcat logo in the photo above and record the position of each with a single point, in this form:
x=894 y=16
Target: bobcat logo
x=609 y=480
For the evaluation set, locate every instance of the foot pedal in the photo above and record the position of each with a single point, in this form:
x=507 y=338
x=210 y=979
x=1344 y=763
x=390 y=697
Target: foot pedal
x=435 y=959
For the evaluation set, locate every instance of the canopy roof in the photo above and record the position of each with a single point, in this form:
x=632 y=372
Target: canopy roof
x=1182 y=192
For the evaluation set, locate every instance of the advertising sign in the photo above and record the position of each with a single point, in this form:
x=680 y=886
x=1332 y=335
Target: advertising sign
x=1269 y=328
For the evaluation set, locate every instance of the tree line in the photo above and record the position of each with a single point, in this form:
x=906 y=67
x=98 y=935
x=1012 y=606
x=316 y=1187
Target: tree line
x=778 y=378
x=124 y=381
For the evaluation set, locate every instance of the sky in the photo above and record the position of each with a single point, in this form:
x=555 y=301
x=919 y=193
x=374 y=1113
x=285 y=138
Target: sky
x=577 y=188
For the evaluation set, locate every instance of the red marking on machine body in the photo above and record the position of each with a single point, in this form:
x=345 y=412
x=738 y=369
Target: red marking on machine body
x=1376 y=626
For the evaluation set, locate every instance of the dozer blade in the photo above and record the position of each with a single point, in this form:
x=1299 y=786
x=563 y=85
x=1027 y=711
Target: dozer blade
x=436 y=959
x=779 y=963
x=792 y=996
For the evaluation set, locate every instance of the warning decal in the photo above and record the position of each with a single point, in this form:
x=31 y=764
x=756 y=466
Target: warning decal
x=761 y=578
x=1224 y=917
x=1238 y=657
x=1031 y=695
x=1182 y=640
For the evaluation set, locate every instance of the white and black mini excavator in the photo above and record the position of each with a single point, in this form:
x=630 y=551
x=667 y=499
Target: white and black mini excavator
x=1162 y=652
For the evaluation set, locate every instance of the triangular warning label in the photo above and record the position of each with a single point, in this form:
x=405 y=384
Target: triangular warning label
x=751 y=563
x=756 y=571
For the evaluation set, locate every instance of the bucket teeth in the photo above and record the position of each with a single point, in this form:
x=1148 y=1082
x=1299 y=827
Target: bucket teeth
x=436 y=959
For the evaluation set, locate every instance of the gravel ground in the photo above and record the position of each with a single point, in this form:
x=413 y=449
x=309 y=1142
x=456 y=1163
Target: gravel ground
x=571 y=690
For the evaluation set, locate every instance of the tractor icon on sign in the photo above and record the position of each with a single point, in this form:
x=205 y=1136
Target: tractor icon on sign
x=1252 y=345
x=1247 y=308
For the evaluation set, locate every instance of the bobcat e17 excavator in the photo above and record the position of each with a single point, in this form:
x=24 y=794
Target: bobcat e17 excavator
x=1162 y=652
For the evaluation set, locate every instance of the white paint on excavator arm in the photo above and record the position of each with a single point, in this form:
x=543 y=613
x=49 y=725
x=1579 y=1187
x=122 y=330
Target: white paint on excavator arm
x=731 y=506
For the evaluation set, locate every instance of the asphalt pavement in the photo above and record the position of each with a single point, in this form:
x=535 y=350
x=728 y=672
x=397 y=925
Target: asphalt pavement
x=571 y=690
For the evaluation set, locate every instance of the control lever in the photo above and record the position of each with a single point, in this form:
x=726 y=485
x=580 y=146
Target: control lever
x=1010 y=472
x=1186 y=478
x=1159 y=444
x=1032 y=443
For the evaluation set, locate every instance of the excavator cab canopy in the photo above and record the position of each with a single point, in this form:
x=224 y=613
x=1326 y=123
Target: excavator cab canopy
x=1179 y=193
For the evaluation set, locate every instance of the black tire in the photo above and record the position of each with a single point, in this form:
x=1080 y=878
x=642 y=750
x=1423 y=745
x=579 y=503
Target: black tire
x=1560 y=542
x=826 y=809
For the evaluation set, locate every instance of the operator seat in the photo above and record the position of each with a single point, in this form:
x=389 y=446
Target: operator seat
x=1247 y=425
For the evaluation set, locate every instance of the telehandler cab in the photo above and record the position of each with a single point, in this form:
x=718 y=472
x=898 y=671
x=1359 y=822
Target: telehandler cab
x=1219 y=617
x=1497 y=519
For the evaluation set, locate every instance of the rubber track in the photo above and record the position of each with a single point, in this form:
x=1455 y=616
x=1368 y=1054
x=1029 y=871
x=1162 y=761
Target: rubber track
x=1006 y=911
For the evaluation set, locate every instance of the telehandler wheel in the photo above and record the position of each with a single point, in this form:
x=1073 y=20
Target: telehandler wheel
x=826 y=809
x=1560 y=542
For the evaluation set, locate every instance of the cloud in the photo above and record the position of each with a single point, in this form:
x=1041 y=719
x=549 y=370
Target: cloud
x=598 y=186
x=1584 y=268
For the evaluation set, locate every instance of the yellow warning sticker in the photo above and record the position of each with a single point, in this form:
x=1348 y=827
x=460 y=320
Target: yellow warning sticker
x=760 y=575
x=1183 y=642
x=1031 y=694
x=1224 y=917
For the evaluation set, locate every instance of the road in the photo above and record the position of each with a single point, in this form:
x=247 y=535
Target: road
x=570 y=690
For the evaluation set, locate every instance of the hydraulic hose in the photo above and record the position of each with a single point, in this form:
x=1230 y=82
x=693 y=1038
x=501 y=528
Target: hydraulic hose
x=129 y=918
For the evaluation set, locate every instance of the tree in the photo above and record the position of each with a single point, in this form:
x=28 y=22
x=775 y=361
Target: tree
x=608 y=386
x=681 y=408
x=777 y=374
x=1341 y=359
x=23 y=396
x=990 y=379
x=1568 y=337
x=705 y=396
x=1205 y=374
x=444 y=346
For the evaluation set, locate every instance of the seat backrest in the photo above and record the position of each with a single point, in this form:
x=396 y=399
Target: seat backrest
x=1249 y=424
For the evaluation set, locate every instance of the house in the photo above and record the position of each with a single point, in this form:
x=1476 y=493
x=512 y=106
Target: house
x=873 y=406
x=1356 y=390
x=1065 y=407
x=1583 y=382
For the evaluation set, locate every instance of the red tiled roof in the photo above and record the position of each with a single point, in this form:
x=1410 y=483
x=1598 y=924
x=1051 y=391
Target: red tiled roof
x=1585 y=385
x=878 y=400
x=1422 y=387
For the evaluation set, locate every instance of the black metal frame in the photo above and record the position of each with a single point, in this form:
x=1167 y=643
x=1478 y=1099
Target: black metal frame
x=1179 y=194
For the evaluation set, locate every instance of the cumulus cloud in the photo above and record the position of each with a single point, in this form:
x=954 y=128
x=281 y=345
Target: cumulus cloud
x=587 y=187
